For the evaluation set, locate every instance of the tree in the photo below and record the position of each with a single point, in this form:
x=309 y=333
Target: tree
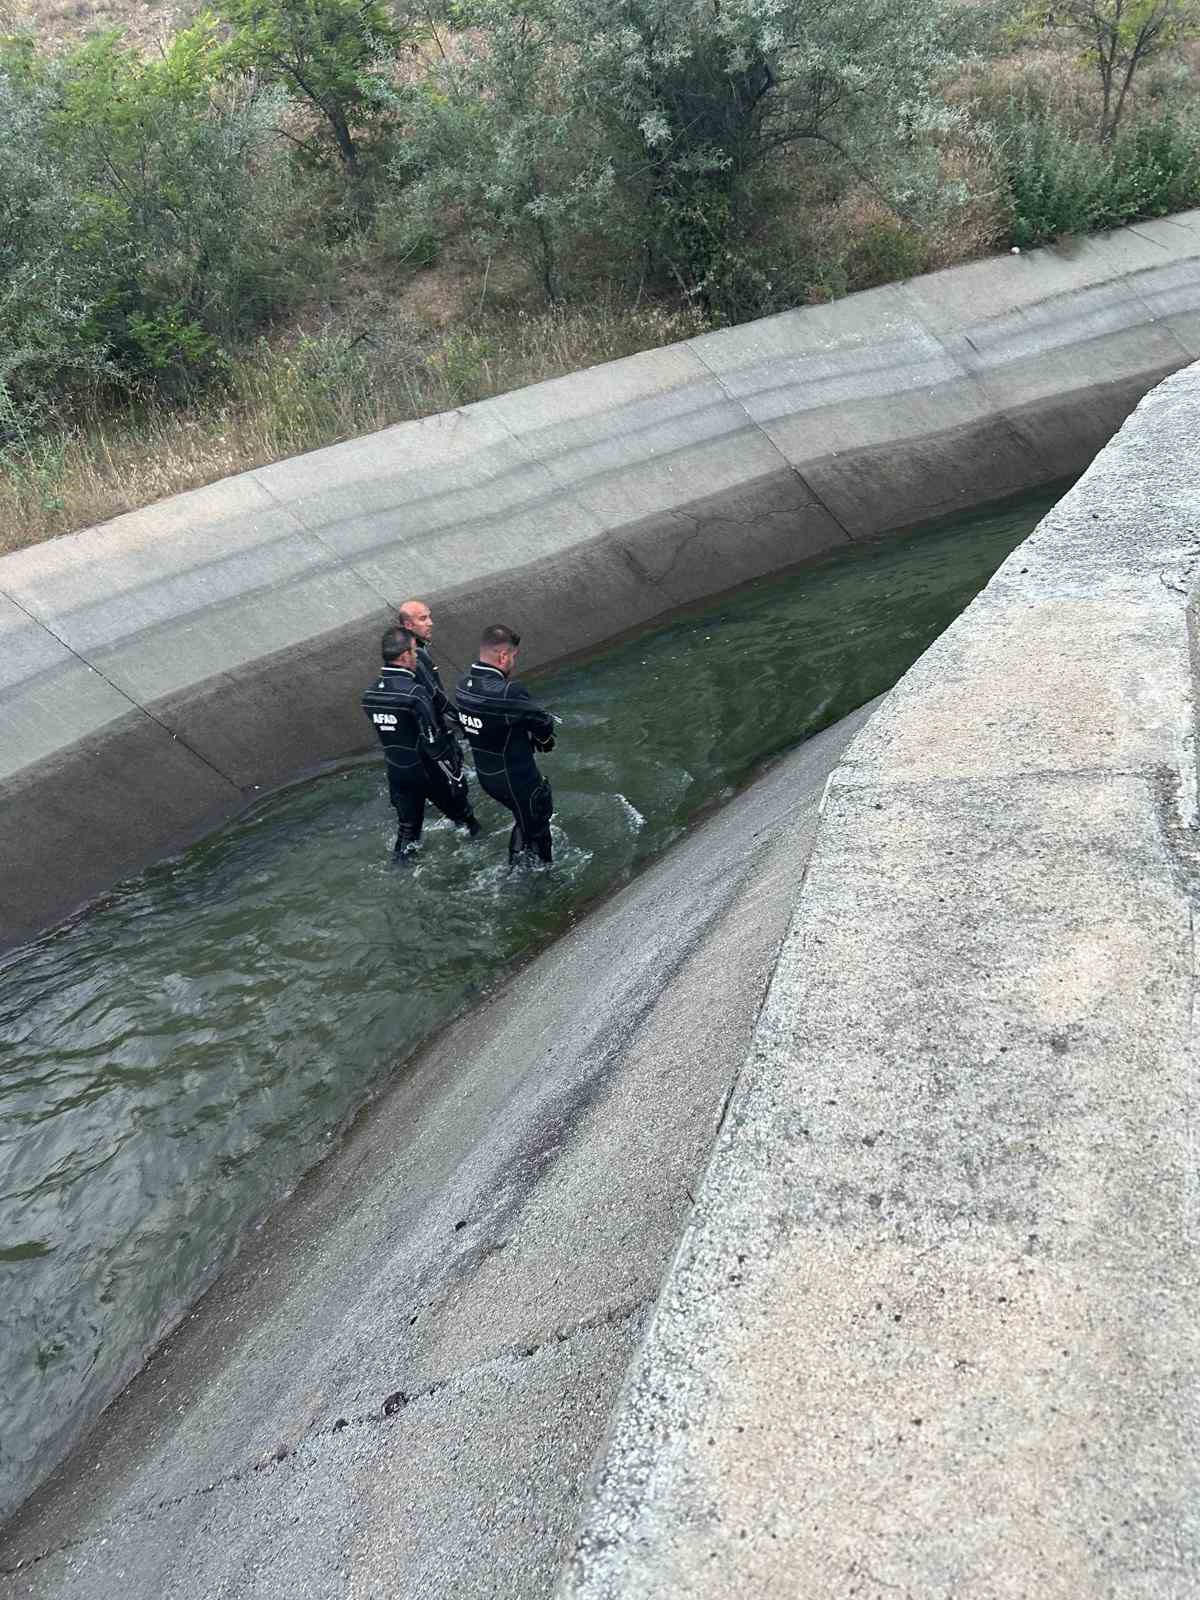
x=704 y=95
x=142 y=223
x=331 y=54
x=496 y=136
x=52 y=274
x=1118 y=36
x=646 y=121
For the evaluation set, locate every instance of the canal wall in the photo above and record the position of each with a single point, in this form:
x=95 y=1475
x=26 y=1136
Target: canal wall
x=932 y=1328
x=158 y=671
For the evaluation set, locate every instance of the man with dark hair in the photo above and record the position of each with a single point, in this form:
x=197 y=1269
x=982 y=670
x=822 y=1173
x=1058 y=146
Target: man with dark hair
x=415 y=744
x=505 y=727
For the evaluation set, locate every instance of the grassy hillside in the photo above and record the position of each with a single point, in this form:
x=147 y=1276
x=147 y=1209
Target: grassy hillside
x=61 y=23
x=396 y=295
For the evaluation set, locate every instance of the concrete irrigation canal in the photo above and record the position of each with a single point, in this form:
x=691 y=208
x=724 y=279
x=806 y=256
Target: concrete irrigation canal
x=402 y=1381
x=184 y=1054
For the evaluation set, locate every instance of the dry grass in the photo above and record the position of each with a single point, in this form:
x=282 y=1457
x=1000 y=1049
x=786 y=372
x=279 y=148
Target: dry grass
x=1047 y=64
x=313 y=390
x=973 y=230
x=148 y=24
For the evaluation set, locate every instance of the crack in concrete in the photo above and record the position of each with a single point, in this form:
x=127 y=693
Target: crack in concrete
x=1191 y=1171
x=306 y=528
x=135 y=705
x=566 y=488
x=758 y=428
x=1130 y=281
x=702 y=524
x=395 y=1403
x=1181 y=841
x=1150 y=772
x=1157 y=243
x=610 y=1316
x=992 y=406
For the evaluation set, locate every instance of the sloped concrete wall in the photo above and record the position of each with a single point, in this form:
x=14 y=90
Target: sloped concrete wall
x=157 y=670
x=932 y=1331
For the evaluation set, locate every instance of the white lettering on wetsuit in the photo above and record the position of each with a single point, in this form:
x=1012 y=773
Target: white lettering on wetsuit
x=383 y=719
x=472 y=724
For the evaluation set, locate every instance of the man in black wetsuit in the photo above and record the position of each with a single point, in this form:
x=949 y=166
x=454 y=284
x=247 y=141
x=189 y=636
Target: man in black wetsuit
x=416 y=745
x=416 y=616
x=505 y=727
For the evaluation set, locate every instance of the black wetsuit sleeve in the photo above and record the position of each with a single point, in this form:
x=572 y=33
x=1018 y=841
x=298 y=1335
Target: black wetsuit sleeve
x=444 y=708
x=521 y=704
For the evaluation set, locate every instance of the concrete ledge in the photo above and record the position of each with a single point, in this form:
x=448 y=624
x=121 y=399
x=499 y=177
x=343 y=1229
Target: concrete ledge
x=932 y=1329
x=234 y=624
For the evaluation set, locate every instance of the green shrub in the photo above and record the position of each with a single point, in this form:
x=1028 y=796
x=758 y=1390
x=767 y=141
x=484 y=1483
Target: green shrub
x=309 y=390
x=1061 y=184
x=647 y=126
x=59 y=260
x=146 y=224
x=333 y=56
x=461 y=366
x=883 y=253
x=30 y=458
x=1057 y=184
x=1155 y=169
x=403 y=241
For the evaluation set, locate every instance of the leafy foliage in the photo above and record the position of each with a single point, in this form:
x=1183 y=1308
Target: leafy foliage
x=1062 y=184
x=1118 y=37
x=52 y=275
x=143 y=219
x=330 y=54
x=557 y=125
x=497 y=142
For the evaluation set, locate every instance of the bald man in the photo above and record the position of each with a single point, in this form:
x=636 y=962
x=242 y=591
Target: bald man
x=416 y=616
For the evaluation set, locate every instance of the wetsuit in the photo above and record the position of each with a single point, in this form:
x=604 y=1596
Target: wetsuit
x=419 y=754
x=505 y=727
x=444 y=713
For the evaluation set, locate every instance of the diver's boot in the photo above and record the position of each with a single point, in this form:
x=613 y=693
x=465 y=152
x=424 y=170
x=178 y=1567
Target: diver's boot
x=405 y=848
x=543 y=845
x=516 y=846
x=470 y=824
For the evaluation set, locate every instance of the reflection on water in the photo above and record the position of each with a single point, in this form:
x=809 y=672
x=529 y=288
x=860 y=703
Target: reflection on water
x=176 y=1060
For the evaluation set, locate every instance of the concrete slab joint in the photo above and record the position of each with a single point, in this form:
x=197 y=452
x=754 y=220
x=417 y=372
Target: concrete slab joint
x=931 y=1330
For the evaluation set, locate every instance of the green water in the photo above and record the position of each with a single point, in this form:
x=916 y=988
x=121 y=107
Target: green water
x=176 y=1060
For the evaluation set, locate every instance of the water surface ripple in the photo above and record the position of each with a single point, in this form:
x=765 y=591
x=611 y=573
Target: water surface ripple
x=174 y=1061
